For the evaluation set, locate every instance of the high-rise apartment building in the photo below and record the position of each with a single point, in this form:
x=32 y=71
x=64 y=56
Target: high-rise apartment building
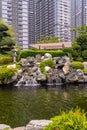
x=21 y=15
x=53 y=19
x=78 y=14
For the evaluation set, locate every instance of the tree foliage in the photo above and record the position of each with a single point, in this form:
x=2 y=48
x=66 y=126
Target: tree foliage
x=80 y=43
x=81 y=38
x=6 y=40
x=48 y=39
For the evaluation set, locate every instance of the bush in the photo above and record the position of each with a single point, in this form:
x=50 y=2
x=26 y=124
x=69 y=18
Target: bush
x=84 y=54
x=77 y=65
x=67 y=49
x=6 y=74
x=5 y=59
x=76 y=120
x=79 y=59
x=49 y=63
x=26 y=53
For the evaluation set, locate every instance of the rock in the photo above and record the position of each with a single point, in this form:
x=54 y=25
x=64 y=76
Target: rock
x=47 y=69
x=61 y=75
x=30 y=60
x=47 y=56
x=14 y=77
x=85 y=78
x=19 y=128
x=60 y=66
x=41 y=77
x=38 y=57
x=19 y=71
x=34 y=69
x=67 y=59
x=23 y=61
x=72 y=77
x=66 y=69
x=3 y=126
x=85 y=65
x=80 y=75
x=61 y=61
x=79 y=72
x=12 y=66
x=42 y=58
x=37 y=124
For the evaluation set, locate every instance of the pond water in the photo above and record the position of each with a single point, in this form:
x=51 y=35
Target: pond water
x=20 y=105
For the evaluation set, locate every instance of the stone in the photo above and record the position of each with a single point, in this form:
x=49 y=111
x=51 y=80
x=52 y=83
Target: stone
x=61 y=75
x=34 y=69
x=47 y=68
x=85 y=78
x=19 y=128
x=38 y=57
x=67 y=59
x=23 y=61
x=72 y=76
x=14 y=77
x=61 y=61
x=31 y=59
x=41 y=77
x=3 y=126
x=42 y=58
x=12 y=66
x=66 y=69
x=37 y=124
x=85 y=65
x=47 y=55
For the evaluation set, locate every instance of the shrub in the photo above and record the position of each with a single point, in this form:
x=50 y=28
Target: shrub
x=69 y=121
x=67 y=49
x=79 y=59
x=5 y=59
x=26 y=53
x=49 y=63
x=77 y=65
x=84 y=54
x=6 y=74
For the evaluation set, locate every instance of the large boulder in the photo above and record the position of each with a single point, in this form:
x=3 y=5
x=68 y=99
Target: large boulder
x=66 y=69
x=37 y=124
x=19 y=128
x=85 y=65
x=48 y=56
x=47 y=68
x=3 y=127
x=85 y=78
x=12 y=66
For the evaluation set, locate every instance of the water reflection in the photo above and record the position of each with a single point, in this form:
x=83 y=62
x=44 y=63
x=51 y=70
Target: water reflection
x=20 y=105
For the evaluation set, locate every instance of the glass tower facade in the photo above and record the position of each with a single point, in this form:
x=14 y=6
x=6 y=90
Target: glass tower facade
x=78 y=14
x=21 y=15
x=53 y=19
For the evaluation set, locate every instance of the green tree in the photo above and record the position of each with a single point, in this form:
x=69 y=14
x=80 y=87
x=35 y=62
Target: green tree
x=6 y=40
x=81 y=38
x=80 y=43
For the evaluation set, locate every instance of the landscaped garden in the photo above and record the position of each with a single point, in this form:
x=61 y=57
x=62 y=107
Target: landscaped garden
x=35 y=67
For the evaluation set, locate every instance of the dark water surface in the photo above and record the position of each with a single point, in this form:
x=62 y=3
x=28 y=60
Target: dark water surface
x=20 y=105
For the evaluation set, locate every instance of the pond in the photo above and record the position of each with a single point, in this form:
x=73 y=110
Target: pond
x=20 y=105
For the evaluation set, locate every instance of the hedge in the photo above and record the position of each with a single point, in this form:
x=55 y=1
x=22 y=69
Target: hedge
x=26 y=53
x=77 y=65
